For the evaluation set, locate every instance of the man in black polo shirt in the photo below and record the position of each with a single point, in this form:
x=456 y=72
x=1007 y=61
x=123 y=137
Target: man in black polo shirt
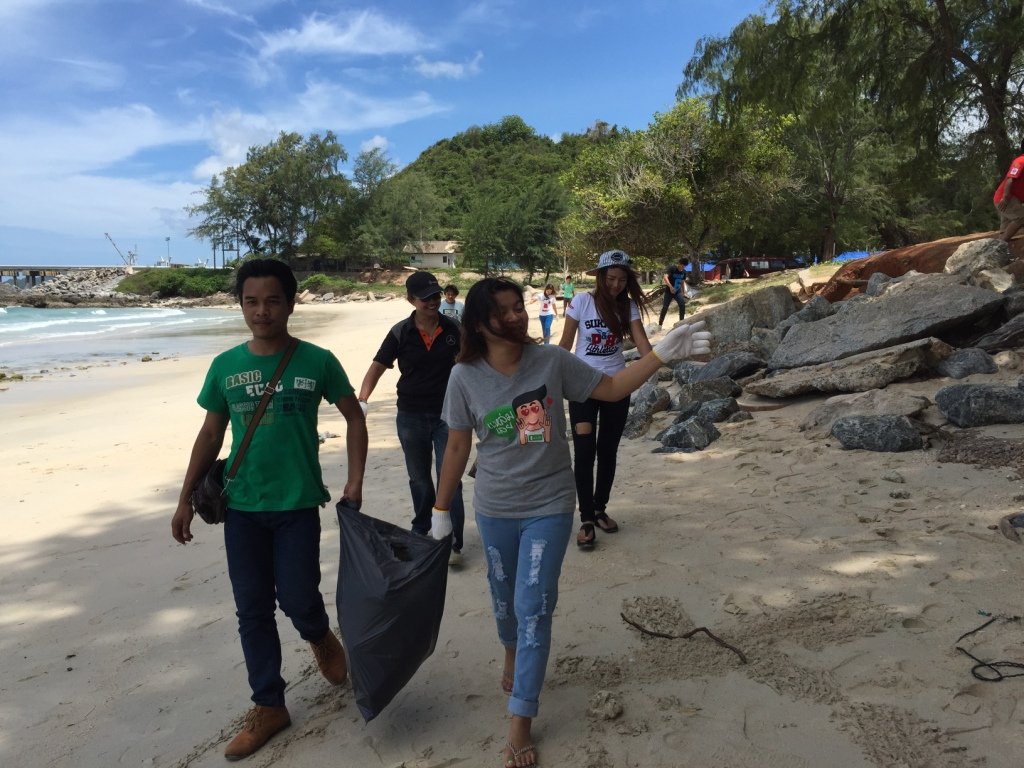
x=425 y=345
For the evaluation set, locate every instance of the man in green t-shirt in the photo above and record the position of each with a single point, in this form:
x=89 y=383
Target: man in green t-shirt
x=272 y=526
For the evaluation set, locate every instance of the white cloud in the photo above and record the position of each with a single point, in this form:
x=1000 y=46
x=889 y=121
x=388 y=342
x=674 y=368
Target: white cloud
x=365 y=33
x=322 y=105
x=374 y=142
x=454 y=70
x=95 y=75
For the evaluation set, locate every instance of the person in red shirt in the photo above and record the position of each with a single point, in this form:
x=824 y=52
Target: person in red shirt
x=1009 y=199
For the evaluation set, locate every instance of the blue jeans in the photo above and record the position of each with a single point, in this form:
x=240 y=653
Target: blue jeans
x=545 y=327
x=274 y=555
x=524 y=561
x=419 y=434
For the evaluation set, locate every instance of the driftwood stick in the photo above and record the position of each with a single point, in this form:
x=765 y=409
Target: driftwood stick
x=687 y=636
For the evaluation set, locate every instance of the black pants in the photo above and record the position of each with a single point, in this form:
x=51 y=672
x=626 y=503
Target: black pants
x=607 y=422
x=680 y=299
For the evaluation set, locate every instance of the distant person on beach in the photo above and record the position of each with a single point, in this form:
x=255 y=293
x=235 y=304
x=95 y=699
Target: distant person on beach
x=272 y=528
x=1009 y=199
x=596 y=322
x=673 y=283
x=425 y=345
x=449 y=306
x=568 y=291
x=507 y=390
x=548 y=310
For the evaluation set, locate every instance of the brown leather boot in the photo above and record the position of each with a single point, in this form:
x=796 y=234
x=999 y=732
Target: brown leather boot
x=260 y=724
x=330 y=657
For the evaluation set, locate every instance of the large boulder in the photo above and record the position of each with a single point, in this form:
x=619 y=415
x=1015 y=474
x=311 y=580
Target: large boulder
x=977 y=255
x=876 y=402
x=885 y=434
x=974 y=405
x=733 y=323
x=925 y=306
x=858 y=373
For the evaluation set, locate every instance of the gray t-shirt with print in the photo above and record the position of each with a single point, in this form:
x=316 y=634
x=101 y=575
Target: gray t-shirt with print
x=523 y=464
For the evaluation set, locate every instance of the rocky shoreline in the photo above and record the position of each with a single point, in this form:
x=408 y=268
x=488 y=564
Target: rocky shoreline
x=94 y=288
x=97 y=288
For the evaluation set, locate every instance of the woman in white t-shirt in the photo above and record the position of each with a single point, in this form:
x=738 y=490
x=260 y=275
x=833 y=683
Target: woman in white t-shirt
x=598 y=321
x=548 y=310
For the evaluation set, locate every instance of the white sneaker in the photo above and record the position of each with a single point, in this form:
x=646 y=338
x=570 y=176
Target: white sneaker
x=455 y=559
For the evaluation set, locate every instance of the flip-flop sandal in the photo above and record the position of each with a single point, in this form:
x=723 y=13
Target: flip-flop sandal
x=605 y=523
x=510 y=761
x=586 y=537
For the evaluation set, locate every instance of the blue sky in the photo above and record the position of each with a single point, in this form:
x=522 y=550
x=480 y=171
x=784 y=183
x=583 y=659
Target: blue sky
x=116 y=112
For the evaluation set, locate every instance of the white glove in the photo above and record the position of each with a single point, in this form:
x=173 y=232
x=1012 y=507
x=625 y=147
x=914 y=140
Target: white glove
x=440 y=523
x=364 y=407
x=683 y=341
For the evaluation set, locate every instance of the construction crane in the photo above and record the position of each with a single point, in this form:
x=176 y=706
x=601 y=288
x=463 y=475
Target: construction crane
x=128 y=260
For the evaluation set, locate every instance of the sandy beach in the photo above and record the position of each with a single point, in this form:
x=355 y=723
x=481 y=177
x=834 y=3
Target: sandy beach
x=843 y=577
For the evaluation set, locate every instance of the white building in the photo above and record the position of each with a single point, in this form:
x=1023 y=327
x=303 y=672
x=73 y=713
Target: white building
x=433 y=254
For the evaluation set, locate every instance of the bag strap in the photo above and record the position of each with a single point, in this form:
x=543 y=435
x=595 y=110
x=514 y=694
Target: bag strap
x=268 y=392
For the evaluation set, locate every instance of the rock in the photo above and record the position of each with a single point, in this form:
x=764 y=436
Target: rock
x=859 y=373
x=925 y=306
x=1010 y=334
x=604 y=705
x=977 y=255
x=974 y=405
x=964 y=362
x=875 y=402
x=883 y=434
x=732 y=365
x=732 y=323
x=685 y=371
x=702 y=391
x=689 y=436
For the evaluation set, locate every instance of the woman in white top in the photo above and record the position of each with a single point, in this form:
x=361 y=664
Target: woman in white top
x=548 y=310
x=598 y=321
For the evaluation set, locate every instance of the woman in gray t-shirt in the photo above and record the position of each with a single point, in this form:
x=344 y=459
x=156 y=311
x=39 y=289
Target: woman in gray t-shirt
x=508 y=390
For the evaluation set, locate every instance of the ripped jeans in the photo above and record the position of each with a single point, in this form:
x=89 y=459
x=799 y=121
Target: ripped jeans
x=524 y=561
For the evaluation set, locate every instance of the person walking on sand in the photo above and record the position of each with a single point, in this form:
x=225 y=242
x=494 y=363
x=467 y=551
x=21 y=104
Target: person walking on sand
x=272 y=524
x=424 y=345
x=568 y=291
x=1009 y=199
x=508 y=391
x=548 y=310
x=597 y=322
x=673 y=282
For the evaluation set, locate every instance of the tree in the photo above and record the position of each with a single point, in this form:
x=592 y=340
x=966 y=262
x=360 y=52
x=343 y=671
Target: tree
x=680 y=186
x=404 y=209
x=274 y=201
x=510 y=228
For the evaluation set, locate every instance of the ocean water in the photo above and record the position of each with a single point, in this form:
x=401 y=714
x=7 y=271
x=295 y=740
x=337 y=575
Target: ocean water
x=32 y=340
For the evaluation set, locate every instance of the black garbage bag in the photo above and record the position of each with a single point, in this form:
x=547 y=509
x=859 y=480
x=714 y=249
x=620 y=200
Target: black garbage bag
x=391 y=589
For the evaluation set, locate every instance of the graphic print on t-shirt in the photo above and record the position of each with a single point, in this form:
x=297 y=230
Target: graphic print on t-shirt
x=528 y=417
x=601 y=342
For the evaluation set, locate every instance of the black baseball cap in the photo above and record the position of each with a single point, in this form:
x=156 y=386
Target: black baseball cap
x=422 y=285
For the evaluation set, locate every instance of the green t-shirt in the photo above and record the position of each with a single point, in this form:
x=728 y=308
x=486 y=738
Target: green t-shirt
x=281 y=469
x=568 y=290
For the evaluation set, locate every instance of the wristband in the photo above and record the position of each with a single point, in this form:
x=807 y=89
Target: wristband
x=441 y=509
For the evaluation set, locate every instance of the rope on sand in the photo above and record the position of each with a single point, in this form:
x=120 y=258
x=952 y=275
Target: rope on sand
x=687 y=636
